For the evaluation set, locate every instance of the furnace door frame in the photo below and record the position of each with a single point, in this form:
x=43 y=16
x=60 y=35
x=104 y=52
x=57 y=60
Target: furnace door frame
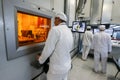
x=10 y=8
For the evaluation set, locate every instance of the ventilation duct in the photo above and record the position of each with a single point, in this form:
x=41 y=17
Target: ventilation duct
x=80 y=7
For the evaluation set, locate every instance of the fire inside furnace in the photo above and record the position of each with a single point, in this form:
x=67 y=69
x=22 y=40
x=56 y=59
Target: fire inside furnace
x=32 y=28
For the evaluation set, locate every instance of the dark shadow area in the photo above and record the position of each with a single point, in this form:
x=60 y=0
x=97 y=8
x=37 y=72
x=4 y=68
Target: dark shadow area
x=112 y=78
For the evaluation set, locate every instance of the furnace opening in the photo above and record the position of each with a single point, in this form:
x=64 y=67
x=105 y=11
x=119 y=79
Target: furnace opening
x=32 y=28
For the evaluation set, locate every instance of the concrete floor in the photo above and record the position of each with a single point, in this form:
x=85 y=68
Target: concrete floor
x=82 y=70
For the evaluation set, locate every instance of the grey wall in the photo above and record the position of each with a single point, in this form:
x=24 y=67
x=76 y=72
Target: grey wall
x=19 y=68
x=16 y=69
x=115 y=12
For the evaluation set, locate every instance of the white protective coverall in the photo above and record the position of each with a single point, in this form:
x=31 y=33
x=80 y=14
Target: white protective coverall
x=101 y=45
x=58 y=46
x=87 y=40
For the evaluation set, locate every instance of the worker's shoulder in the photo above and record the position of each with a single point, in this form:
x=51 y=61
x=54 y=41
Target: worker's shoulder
x=106 y=34
x=55 y=29
x=90 y=32
x=87 y=31
x=96 y=34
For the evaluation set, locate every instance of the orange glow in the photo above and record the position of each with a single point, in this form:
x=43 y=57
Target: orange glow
x=32 y=28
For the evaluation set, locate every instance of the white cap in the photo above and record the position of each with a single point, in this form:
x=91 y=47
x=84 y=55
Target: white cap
x=88 y=27
x=102 y=27
x=62 y=16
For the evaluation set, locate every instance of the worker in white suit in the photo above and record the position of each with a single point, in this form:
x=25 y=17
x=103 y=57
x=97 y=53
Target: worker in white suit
x=101 y=46
x=87 y=40
x=57 y=47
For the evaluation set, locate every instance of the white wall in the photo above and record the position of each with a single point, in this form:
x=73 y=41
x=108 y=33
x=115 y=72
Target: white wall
x=116 y=12
x=59 y=5
x=106 y=12
x=42 y=3
x=96 y=11
x=70 y=11
x=86 y=9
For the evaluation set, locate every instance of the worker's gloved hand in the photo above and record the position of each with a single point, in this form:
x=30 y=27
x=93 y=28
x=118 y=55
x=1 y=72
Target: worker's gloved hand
x=92 y=50
x=37 y=57
x=108 y=52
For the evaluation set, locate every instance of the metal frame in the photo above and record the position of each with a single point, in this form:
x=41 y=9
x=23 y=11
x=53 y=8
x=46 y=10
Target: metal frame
x=117 y=66
x=10 y=8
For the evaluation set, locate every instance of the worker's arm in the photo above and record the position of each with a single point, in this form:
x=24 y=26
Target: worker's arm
x=49 y=45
